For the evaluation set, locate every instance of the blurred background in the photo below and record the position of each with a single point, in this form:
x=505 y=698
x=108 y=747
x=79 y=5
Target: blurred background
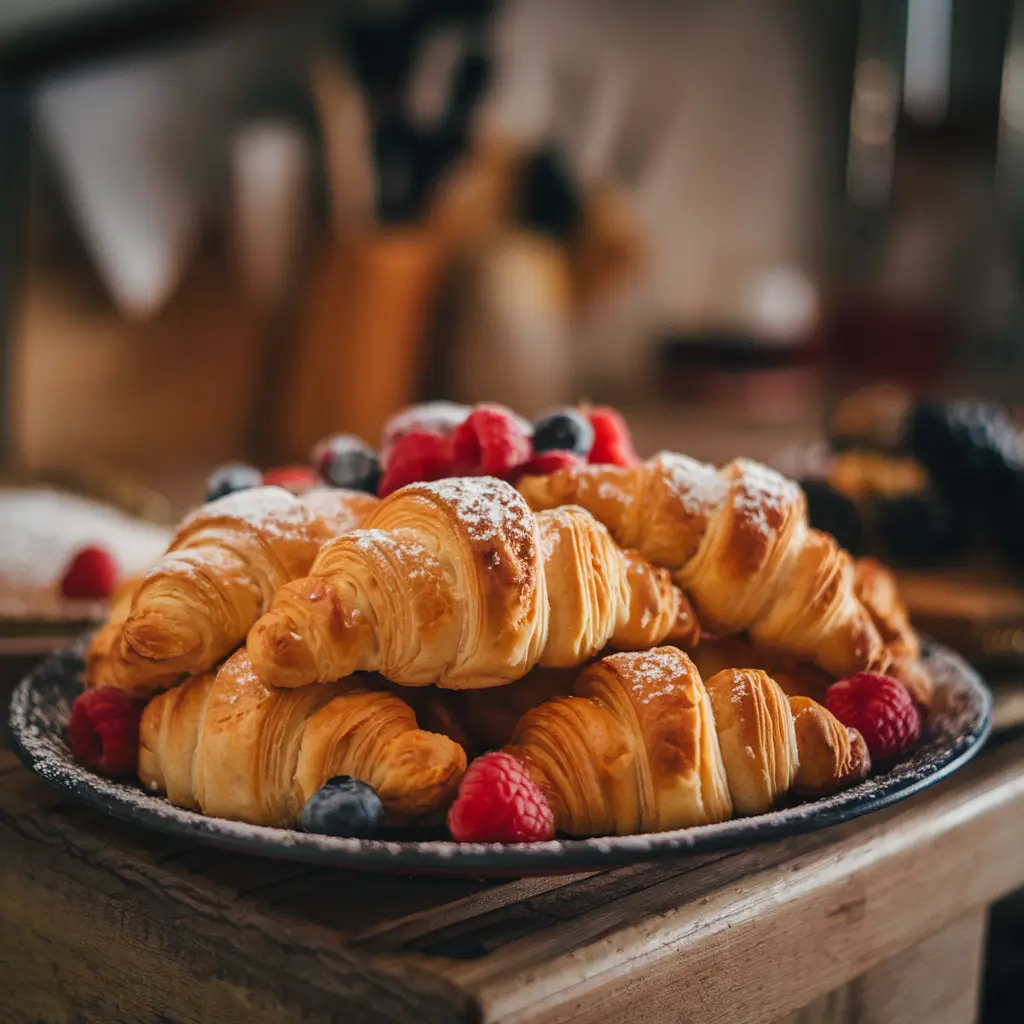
x=232 y=228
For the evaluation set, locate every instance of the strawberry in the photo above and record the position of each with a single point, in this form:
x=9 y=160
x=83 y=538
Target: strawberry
x=880 y=708
x=612 y=443
x=92 y=574
x=490 y=442
x=103 y=732
x=418 y=456
x=498 y=802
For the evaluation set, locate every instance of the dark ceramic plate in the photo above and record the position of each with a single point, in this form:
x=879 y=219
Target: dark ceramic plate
x=956 y=728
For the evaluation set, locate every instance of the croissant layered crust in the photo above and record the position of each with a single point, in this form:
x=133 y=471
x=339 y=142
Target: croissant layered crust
x=220 y=573
x=458 y=583
x=229 y=746
x=643 y=745
x=738 y=543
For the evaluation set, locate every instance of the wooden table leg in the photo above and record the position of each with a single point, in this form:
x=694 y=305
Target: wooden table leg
x=938 y=981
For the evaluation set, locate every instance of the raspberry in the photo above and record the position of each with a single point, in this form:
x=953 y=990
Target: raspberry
x=103 y=732
x=416 y=457
x=880 y=709
x=612 y=443
x=429 y=417
x=498 y=802
x=297 y=479
x=92 y=574
x=545 y=464
x=491 y=442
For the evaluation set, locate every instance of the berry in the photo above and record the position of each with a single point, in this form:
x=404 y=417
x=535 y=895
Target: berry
x=498 y=802
x=235 y=476
x=832 y=511
x=429 y=417
x=297 y=479
x=612 y=443
x=564 y=431
x=103 y=731
x=92 y=574
x=491 y=442
x=545 y=464
x=348 y=461
x=880 y=709
x=343 y=806
x=417 y=456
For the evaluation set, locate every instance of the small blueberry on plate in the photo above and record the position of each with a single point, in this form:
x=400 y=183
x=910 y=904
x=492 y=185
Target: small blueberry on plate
x=343 y=806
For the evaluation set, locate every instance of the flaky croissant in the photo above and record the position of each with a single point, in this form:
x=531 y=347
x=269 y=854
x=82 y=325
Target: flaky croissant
x=225 y=744
x=738 y=542
x=457 y=583
x=644 y=745
x=220 y=572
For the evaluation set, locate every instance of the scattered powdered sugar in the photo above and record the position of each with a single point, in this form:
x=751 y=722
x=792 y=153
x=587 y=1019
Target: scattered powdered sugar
x=40 y=532
x=763 y=495
x=486 y=506
x=382 y=545
x=272 y=510
x=698 y=485
x=608 y=491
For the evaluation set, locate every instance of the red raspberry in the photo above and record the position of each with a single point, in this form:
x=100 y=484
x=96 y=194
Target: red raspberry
x=92 y=574
x=880 y=708
x=545 y=464
x=297 y=479
x=418 y=456
x=498 y=802
x=490 y=442
x=104 y=731
x=612 y=443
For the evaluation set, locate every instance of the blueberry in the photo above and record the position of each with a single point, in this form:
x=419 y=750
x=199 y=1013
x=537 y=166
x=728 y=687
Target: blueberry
x=564 y=431
x=235 y=476
x=832 y=511
x=343 y=806
x=348 y=461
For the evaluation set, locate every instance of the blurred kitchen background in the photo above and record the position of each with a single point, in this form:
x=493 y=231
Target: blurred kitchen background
x=231 y=228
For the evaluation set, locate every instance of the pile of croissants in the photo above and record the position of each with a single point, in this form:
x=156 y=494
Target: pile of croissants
x=649 y=641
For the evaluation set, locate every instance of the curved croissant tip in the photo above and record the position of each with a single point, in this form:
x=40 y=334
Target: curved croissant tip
x=280 y=655
x=159 y=637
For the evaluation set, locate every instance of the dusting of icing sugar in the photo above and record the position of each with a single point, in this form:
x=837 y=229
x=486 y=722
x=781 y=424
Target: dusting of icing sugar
x=416 y=560
x=762 y=496
x=486 y=507
x=608 y=491
x=273 y=511
x=698 y=485
x=42 y=529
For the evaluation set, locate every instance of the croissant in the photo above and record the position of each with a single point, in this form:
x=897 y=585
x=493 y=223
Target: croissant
x=644 y=745
x=218 y=576
x=225 y=744
x=832 y=756
x=458 y=583
x=634 y=750
x=739 y=545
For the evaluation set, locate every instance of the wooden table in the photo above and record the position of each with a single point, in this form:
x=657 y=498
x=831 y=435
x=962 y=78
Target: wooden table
x=878 y=921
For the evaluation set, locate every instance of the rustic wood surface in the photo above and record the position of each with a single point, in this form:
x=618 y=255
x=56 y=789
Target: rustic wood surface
x=103 y=922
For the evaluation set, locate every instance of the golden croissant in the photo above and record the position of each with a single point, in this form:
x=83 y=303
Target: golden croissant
x=645 y=745
x=225 y=744
x=738 y=543
x=457 y=583
x=219 y=574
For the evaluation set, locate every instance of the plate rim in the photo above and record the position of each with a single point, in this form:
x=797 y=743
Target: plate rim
x=128 y=802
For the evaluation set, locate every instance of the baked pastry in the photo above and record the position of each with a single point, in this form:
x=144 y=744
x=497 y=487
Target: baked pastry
x=458 y=583
x=756 y=735
x=739 y=545
x=220 y=573
x=229 y=746
x=831 y=756
x=634 y=750
x=644 y=745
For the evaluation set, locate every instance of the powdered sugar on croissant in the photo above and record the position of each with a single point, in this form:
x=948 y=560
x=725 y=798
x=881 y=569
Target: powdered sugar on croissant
x=458 y=583
x=738 y=542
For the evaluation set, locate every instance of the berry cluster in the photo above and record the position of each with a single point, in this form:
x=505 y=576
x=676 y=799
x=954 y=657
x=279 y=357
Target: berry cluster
x=441 y=439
